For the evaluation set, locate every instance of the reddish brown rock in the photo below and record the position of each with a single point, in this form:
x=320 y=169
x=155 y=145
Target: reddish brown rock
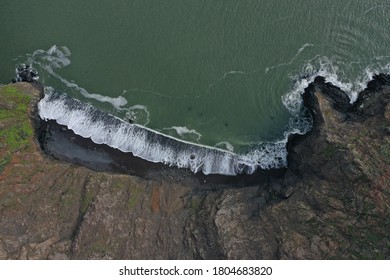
x=332 y=202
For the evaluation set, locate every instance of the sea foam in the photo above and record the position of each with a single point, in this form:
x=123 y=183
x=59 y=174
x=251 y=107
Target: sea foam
x=151 y=145
x=58 y=57
x=103 y=128
x=129 y=136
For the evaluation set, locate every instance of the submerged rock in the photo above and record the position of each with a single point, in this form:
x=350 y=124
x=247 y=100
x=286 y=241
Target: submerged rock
x=332 y=202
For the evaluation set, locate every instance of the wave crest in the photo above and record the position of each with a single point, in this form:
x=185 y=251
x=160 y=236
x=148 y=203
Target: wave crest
x=103 y=128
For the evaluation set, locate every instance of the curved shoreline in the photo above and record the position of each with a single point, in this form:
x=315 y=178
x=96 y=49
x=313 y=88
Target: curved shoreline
x=63 y=144
x=331 y=202
x=129 y=163
x=103 y=128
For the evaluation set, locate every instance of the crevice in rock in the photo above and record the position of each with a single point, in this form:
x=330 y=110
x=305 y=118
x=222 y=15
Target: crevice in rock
x=202 y=234
x=80 y=217
x=325 y=205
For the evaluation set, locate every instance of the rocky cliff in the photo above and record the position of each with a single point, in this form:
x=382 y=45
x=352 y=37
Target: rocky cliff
x=332 y=202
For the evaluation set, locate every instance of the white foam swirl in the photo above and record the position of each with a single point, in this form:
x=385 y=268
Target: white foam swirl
x=59 y=57
x=103 y=128
x=183 y=132
x=327 y=69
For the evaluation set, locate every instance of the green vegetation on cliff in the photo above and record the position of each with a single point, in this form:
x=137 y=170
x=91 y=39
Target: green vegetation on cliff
x=15 y=125
x=333 y=202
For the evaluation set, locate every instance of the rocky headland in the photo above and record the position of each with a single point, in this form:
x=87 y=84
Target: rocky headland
x=332 y=202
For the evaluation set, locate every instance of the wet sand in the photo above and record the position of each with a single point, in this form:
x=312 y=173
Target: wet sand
x=63 y=144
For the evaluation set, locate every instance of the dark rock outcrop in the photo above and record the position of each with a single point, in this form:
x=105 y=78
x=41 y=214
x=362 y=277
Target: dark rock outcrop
x=25 y=73
x=332 y=202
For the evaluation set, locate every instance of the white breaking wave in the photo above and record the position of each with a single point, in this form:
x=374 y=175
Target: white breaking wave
x=103 y=128
x=132 y=136
x=327 y=69
x=57 y=58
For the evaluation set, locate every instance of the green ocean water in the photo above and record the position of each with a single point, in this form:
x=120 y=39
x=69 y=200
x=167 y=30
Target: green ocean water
x=220 y=73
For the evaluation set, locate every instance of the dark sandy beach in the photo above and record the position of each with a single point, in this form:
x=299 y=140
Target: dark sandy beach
x=78 y=200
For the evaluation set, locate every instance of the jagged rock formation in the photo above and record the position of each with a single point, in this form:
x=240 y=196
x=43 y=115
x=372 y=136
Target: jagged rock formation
x=332 y=202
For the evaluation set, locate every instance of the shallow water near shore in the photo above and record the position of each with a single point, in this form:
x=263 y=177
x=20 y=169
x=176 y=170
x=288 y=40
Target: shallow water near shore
x=222 y=74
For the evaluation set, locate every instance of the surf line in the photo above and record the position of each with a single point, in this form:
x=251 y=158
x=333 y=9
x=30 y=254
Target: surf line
x=104 y=128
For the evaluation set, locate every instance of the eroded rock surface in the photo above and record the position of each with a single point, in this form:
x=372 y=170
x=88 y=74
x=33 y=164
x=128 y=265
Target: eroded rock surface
x=332 y=202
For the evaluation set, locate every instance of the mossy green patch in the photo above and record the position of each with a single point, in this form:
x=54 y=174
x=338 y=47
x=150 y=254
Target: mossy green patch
x=10 y=89
x=329 y=151
x=16 y=136
x=70 y=202
x=196 y=202
x=119 y=186
x=4 y=162
x=385 y=151
x=87 y=200
x=133 y=198
x=16 y=130
x=100 y=248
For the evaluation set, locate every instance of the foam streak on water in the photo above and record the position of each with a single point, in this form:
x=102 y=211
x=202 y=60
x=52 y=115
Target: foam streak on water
x=326 y=68
x=103 y=128
x=57 y=58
